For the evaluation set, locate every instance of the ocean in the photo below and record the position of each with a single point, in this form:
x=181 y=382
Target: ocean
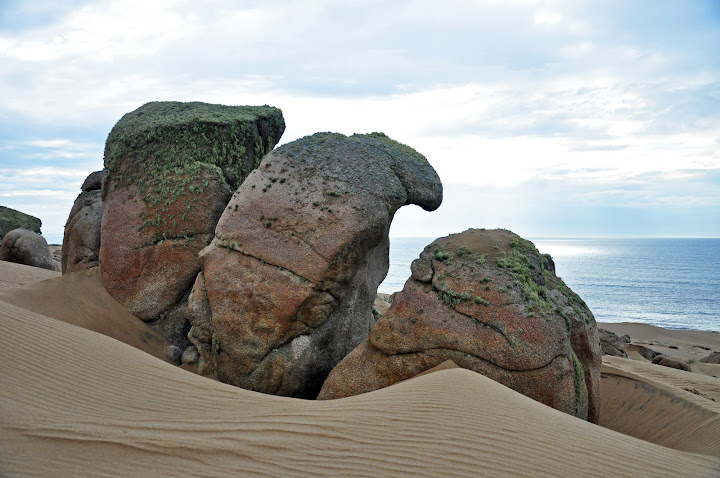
x=671 y=283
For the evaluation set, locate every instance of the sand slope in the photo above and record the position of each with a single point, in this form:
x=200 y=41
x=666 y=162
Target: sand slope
x=13 y=275
x=663 y=405
x=76 y=403
x=79 y=299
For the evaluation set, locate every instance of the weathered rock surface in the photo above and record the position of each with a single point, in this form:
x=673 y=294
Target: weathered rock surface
x=611 y=344
x=712 y=358
x=494 y=305
x=11 y=219
x=170 y=169
x=81 y=241
x=26 y=247
x=644 y=351
x=288 y=284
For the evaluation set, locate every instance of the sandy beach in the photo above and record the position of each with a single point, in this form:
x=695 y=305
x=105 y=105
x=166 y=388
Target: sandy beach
x=86 y=392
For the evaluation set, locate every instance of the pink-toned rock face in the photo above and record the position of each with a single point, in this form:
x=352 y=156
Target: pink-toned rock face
x=291 y=276
x=81 y=242
x=170 y=171
x=488 y=301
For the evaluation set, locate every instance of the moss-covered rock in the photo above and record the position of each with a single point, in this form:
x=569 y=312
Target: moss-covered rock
x=490 y=302
x=13 y=219
x=170 y=169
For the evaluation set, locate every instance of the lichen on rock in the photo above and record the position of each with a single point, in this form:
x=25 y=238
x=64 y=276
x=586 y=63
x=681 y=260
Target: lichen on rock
x=490 y=302
x=290 y=279
x=171 y=168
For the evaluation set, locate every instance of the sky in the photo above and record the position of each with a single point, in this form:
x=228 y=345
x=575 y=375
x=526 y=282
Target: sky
x=562 y=118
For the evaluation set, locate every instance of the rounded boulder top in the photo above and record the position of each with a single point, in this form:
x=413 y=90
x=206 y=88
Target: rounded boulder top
x=372 y=154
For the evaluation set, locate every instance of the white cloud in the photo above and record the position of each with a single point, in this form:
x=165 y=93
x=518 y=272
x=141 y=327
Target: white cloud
x=547 y=17
x=495 y=93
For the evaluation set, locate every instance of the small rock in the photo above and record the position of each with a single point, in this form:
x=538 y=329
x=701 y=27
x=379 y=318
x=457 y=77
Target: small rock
x=174 y=353
x=656 y=359
x=190 y=356
x=421 y=270
x=673 y=363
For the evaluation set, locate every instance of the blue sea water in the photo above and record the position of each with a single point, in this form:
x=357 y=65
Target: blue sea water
x=671 y=283
x=53 y=238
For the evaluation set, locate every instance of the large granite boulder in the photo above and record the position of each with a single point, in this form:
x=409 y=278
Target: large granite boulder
x=11 y=219
x=170 y=169
x=27 y=247
x=81 y=241
x=288 y=284
x=490 y=302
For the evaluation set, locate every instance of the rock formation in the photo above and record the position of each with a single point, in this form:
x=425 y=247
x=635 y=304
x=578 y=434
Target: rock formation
x=81 y=241
x=671 y=362
x=646 y=352
x=11 y=219
x=488 y=301
x=170 y=169
x=712 y=358
x=611 y=344
x=27 y=247
x=288 y=284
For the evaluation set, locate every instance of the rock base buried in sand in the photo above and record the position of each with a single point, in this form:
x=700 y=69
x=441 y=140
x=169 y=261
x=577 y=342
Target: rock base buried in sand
x=27 y=247
x=170 y=169
x=488 y=301
x=288 y=284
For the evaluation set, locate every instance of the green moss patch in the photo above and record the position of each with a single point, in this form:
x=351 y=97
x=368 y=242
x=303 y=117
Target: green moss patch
x=160 y=137
x=579 y=378
x=172 y=149
x=532 y=274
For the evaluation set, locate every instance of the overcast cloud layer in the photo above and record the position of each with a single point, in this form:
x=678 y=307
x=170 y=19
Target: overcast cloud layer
x=558 y=118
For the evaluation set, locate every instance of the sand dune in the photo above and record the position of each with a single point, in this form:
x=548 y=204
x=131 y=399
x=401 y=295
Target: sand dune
x=663 y=405
x=13 y=275
x=79 y=299
x=75 y=403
